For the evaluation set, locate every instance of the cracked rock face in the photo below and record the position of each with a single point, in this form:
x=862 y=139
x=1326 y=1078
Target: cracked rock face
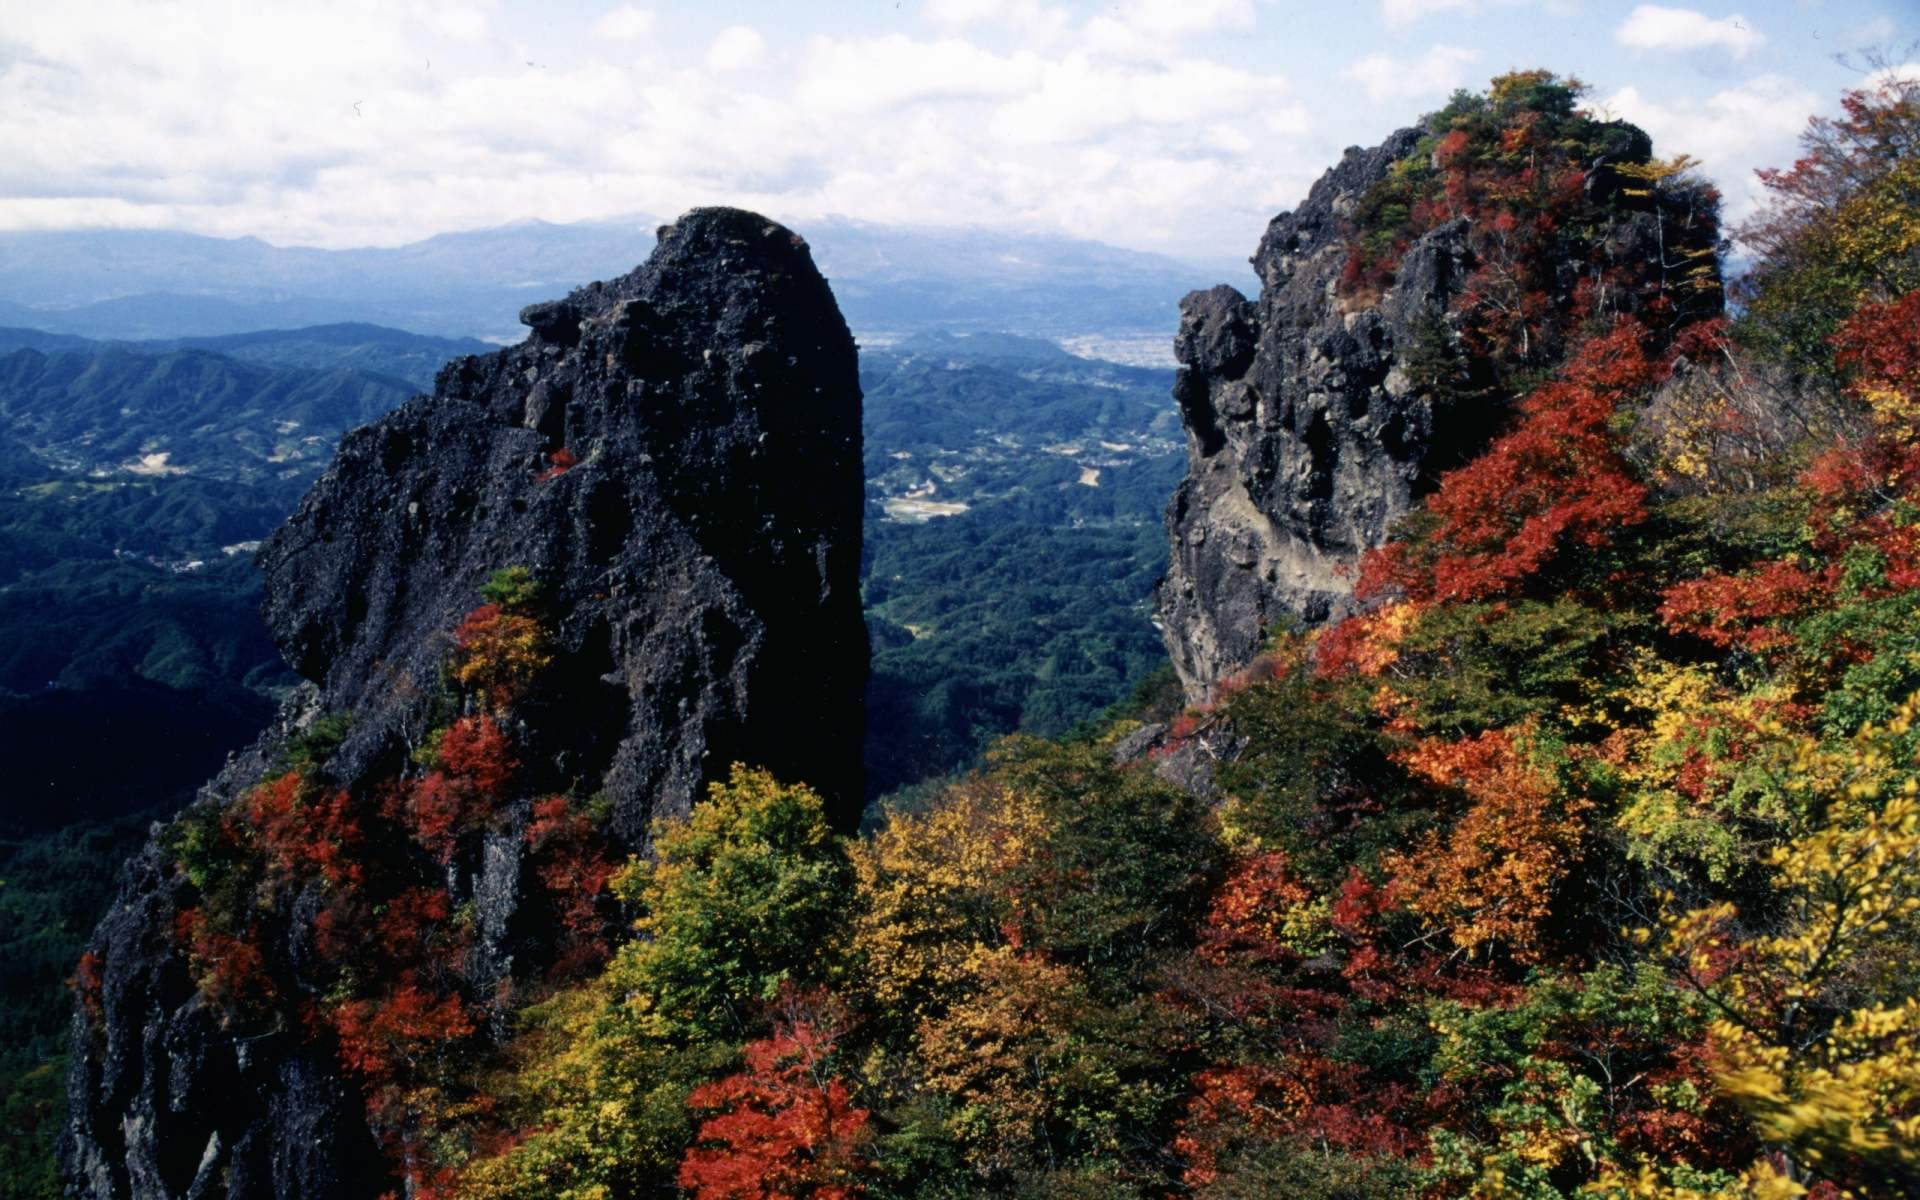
x=1315 y=421
x=702 y=558
x=704 y=553
x=1305 y=443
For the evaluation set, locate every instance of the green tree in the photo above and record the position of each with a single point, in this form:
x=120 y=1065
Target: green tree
x=749 y=893
x=746 y=895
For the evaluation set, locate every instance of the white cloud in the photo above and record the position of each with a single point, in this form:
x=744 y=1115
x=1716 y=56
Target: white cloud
x=963 y=12
x=736 y=47
x=867 y=75
x=1081 y=97
x=1290 y=120
x=401 y=118
x=1179 y=17
x=625 y=24
x=1151 y=30
x=387 y=118
x=458 y=21
x=1142 y=130
x=1655 y=27
x=1435 y=73
x=1755 y=123
x=1906 y=74
x=1397 y=13
x=1036 y=23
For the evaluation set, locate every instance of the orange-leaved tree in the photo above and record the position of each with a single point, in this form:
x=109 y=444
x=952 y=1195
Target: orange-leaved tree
x=786 y=1128
x=1556 y=480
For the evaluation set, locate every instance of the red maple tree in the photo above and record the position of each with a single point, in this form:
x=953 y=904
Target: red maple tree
x=783 y=1129
x=1556 y=480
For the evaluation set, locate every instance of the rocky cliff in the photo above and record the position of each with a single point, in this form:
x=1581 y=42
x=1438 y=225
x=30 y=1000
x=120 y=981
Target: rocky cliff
x=1301 y=450
x=1319 y=414
x=674 y=458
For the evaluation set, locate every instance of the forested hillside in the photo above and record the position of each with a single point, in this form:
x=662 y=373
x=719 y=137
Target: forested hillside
x=1013 y=540
x=134 y=483
x=1583 y=858
x=1575 y=851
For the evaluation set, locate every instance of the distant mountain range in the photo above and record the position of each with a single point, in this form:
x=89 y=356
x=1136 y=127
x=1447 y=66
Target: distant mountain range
x=411 y=358
x=889 y=280
x=137 y=411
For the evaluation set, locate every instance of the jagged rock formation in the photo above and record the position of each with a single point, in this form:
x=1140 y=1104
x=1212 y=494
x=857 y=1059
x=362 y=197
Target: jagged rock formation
x=166 y=1102
x=1304 y=445
x=703 y=554
x=1315 y=415
x=701 y=561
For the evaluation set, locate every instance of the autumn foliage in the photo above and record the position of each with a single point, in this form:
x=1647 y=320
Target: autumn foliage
x=337 y=912
x=230 y=968
x=500 y=648
x=1490 y=880
x=783 y=1129
x=1840 y=226
x=303 y=830
x=573 y=864
x=467 y=782
x=1582 y=860
x=1556 y=481
x=88 y=983
x=1541 y=194
x=383 y=1035
x=559 y=463
x=1879 y=354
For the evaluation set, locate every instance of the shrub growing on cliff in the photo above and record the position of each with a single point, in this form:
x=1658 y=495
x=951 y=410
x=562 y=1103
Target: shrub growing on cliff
x=743 y=901
x=1546 y=195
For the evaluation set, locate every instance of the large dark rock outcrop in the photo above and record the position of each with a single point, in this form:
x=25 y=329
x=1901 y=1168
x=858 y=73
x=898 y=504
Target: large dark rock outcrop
x=701 y=559
x=1316 y=416
x=1304 y=444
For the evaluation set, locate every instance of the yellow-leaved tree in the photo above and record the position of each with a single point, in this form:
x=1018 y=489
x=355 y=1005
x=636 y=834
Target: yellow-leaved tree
x=931 y=893
x=742 y=899
x=1816 y=992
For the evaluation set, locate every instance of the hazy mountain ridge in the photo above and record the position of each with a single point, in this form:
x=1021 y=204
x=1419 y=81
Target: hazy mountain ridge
x=184 y=411
x=374 y=349
x=135 y=479
x=890 y=279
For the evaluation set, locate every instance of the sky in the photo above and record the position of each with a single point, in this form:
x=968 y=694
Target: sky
x=1176 y=126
